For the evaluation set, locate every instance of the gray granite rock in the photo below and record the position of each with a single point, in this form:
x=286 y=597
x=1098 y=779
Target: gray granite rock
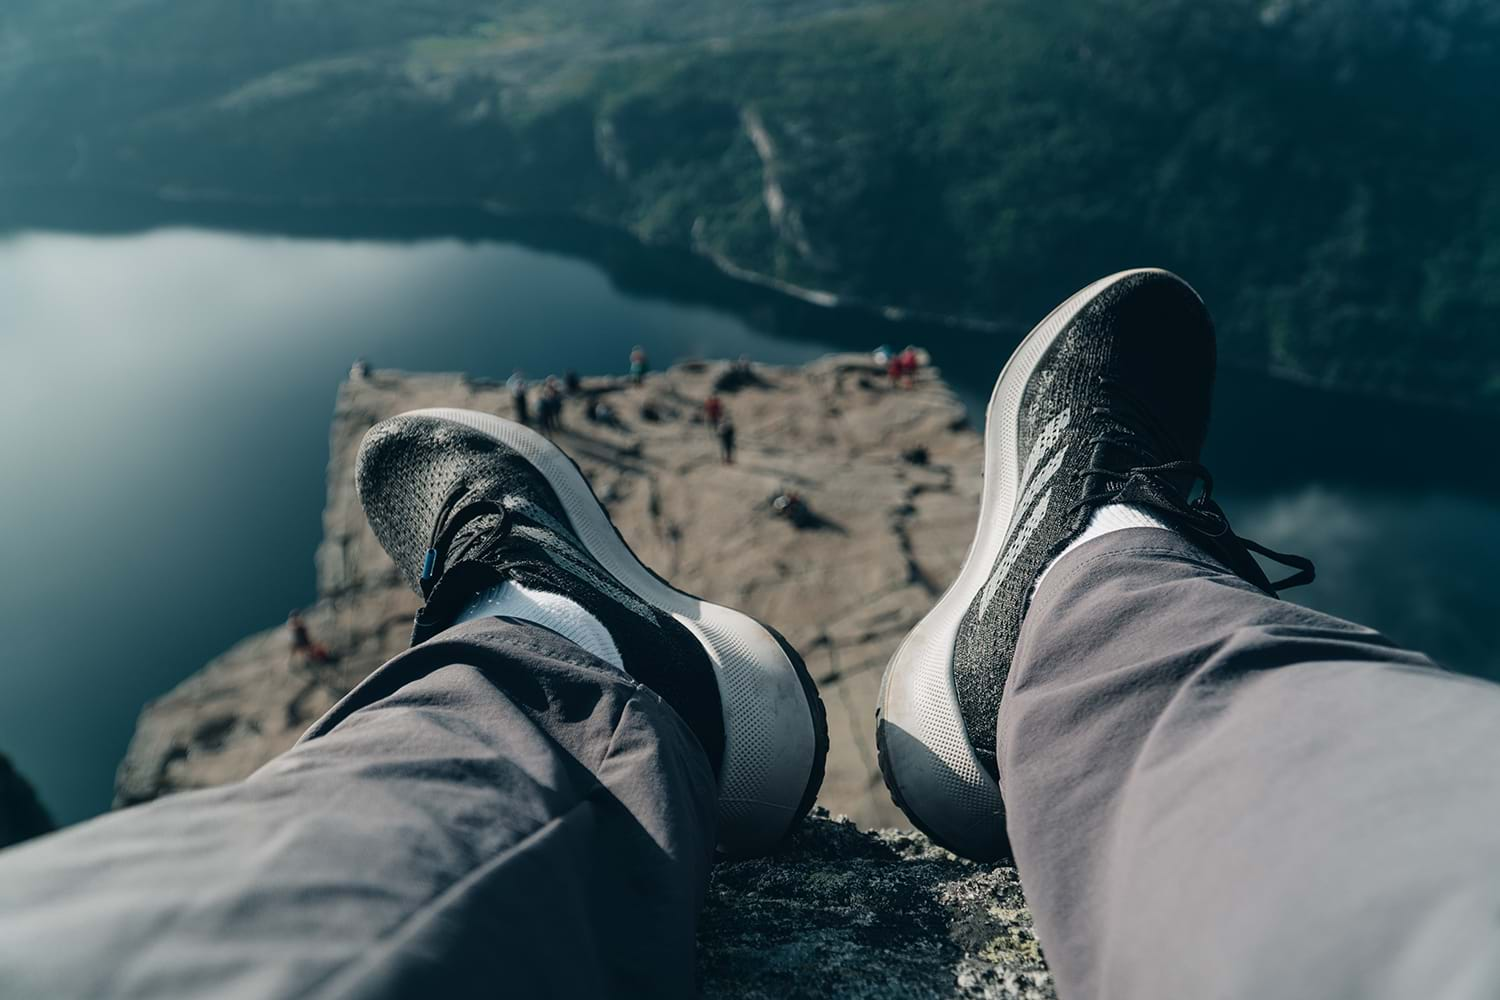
x=846 y=913
x=893 y=476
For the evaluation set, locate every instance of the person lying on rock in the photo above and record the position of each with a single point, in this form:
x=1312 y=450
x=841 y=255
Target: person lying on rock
x=303 y=644
x=1209 y=793
x=790 y=505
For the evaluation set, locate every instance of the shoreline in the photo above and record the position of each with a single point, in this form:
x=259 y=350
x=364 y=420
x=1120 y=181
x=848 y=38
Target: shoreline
x=725 y=268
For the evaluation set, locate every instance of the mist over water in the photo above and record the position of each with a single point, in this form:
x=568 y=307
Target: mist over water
x=166 y=396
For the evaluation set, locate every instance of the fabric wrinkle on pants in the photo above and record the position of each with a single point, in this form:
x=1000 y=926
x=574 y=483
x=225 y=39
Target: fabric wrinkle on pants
x=1213 y=793
x=493 y=812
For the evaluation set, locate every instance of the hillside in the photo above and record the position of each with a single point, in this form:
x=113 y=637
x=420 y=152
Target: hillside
x=1320 y=170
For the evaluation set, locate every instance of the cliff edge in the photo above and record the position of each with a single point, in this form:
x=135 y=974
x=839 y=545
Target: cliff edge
x=890 y=477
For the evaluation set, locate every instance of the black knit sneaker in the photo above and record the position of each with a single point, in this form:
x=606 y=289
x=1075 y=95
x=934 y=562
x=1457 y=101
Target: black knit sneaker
x=463 y=500
x=1106 y=401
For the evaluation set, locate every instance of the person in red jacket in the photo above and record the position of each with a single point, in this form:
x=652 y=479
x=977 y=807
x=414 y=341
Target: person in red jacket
x=909 y=362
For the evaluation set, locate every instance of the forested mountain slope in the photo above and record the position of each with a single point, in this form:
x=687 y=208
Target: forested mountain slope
x=1325 y=172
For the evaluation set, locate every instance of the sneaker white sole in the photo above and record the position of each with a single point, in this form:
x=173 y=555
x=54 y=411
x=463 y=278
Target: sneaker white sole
x=775 y=733
x=926 y=758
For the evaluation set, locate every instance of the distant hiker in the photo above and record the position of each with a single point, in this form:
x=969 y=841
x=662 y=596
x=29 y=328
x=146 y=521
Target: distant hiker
x=638 y=363
x=893 y=369
x=549 y=406
x=571 y=382
x=601 y=413
x=910 y=362
x=302 y=643
x=901 y=368
x=517 y=386
x=713 y=410
x=726 y=440
x=790 y=506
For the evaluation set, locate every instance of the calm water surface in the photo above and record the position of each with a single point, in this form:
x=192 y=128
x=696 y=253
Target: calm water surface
x=166 y=390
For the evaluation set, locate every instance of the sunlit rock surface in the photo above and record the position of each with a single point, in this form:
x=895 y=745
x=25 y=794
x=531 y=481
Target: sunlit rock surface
x=892 y=475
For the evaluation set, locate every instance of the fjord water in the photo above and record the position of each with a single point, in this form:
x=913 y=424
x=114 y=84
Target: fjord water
x=166 y=391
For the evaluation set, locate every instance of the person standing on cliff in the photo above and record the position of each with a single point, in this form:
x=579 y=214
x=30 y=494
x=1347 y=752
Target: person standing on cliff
x=893 y=370
x=713 y=410
x=517 y=386
x=1208 y=792
x=909 y=361
x=726 y=440
x=639 y=365
x=549 y=406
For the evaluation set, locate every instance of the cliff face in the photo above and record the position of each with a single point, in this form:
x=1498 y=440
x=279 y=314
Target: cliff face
x=892 y=478
x=891 y=475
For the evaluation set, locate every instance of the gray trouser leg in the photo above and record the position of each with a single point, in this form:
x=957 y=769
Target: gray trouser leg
x=493 y=813
x=1215 y=794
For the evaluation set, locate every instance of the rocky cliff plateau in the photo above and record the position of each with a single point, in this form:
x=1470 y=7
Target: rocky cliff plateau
x=892 y=478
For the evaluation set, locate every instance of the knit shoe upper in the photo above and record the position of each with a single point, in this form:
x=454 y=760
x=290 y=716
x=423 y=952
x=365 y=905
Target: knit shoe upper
x=1105 y=402
x=1126 y=383
x=463 y=501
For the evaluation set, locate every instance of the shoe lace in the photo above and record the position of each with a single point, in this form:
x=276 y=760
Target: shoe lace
x=451 y=519
x=1128 y=426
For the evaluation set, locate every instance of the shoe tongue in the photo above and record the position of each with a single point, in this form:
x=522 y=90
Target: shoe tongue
x=1116 y=460
x=452 y=592
x=474 y=536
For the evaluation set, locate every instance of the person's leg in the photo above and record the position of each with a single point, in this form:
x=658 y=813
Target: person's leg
x=1213 y=793
x=1210 y=793
x=493 y=812
x=518 y=808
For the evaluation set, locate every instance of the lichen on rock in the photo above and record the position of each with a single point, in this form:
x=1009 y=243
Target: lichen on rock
x=843 y=912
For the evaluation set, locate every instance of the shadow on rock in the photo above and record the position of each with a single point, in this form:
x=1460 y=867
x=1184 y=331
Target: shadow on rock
x=842 y=912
